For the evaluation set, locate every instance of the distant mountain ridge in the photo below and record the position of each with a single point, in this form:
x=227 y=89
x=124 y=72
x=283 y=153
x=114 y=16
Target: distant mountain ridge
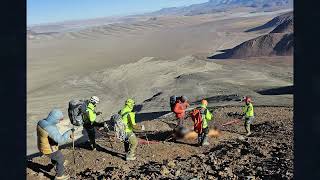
x=223 y=5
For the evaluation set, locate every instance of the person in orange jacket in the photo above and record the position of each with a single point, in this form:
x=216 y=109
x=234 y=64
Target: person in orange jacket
x=180 y=109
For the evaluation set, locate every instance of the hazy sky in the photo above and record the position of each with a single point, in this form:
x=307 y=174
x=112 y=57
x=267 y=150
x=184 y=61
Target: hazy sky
x=44 y=11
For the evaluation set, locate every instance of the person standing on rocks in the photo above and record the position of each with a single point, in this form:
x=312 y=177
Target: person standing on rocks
x=128 y=118
x=206 y=116
x=248 y=114
x=49 y=138
x=180 y=110
x=89 y=120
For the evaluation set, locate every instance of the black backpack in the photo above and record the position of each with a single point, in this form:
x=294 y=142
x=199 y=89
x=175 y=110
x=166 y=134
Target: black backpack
x=173 y=100
x=76 y=109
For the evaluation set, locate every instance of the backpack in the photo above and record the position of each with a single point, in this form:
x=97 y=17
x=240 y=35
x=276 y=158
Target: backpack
x=118 y=126
x=196 y=117
x=173 y=100
x=75 y=110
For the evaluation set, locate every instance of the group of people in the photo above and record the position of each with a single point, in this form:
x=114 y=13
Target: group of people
x=49 y=136
x=179 y=108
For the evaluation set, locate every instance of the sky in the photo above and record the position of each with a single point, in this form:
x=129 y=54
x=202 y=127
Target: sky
x=47 y=11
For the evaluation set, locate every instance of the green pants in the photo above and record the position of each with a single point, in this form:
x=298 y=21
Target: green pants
x=130 y=144
x=247 y=123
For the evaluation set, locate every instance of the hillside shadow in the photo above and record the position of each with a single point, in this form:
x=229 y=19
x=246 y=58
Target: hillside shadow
x=149 y=116
x=154 y=136
x=219 y=98
x=277 y=91
x=163 y=136
x=225 y=54
x=39 y=168
x=259 y=28
x=111 y=152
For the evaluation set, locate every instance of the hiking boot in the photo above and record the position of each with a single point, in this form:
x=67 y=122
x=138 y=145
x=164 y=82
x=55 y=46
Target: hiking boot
x=130 y=158
x=93 y=148
x=248 y=134
x=63 y=177
x=206 y=143
x=66 y=162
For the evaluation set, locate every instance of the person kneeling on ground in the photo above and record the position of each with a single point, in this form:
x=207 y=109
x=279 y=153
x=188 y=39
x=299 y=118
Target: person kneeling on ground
x=128 y=118
x=180 y=110
x=206 y=116
x=89 y=122
x=49 y=138
x=248 y=114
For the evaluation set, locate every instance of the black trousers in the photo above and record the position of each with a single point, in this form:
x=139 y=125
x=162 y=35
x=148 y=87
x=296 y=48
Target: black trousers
x=57 y=159
x=203 y=135
x=91 y=133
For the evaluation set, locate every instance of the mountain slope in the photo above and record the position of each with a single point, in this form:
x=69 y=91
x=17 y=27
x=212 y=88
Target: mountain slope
x=277 y=42
x=285 y=27
x=274 y=22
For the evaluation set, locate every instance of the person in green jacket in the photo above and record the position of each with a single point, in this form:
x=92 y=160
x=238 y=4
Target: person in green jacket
x=248 y=114
x=206 y=116
x=128 y=118
x=90 y=120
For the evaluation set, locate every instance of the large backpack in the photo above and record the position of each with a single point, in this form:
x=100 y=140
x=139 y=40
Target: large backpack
x=173 y=100
x=196 y=117
x=118 y=126
x=76 y=109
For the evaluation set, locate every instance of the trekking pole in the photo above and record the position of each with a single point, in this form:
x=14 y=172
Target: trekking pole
x=106 y=126
x=73 y=149
x=147 y=139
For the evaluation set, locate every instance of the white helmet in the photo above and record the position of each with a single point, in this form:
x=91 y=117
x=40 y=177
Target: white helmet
x=94 y=99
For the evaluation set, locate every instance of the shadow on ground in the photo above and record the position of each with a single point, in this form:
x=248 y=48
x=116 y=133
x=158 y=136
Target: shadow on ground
x=219 y=98
x=225 y=54
x=277 y=91
x=38 y=168
x=149 y=116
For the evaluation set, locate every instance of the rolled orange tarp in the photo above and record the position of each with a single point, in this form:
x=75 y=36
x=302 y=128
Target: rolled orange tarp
x=214 y=133
x=192 y=135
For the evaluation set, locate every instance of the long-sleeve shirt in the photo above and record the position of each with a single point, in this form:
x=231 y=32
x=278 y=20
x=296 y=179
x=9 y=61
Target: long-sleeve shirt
x=180 y=109
x=206 y=116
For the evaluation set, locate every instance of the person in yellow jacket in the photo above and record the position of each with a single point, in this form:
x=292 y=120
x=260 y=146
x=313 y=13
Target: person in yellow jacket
x=206 y=116
x=89 y=122
x=248 y=114
x=128 y=118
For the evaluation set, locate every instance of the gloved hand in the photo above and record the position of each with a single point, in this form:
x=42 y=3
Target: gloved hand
x=241 y=115
x=142 y=127
x=100 y=129
x=99 y=113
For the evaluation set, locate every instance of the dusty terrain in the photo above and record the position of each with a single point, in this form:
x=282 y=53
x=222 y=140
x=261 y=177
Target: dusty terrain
x=267 y=154
x=150 y=59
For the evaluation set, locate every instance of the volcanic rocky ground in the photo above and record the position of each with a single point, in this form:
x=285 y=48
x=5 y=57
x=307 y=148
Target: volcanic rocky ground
x=266 y=154
x=150 y=59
